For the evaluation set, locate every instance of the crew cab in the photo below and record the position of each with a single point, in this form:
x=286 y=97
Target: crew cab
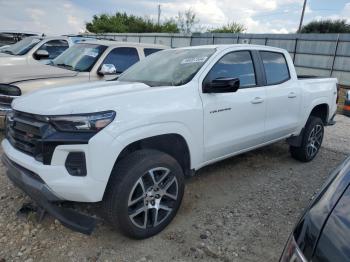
x=90 y=60
x=129 y=143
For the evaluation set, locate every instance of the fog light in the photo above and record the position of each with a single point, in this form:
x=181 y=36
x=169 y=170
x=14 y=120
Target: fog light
x=76 y=164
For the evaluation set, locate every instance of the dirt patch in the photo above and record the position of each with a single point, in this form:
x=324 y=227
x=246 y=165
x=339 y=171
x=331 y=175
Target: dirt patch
x=241 y=209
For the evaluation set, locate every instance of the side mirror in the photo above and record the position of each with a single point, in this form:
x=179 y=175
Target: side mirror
x=42 y=54
x=107 y=69
x=221 y=85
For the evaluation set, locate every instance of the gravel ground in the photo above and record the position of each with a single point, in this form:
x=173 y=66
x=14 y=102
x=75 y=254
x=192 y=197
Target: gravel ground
x=241 y=209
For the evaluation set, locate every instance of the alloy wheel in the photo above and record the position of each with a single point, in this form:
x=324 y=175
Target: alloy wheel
x=314 y=141
x=152 y=198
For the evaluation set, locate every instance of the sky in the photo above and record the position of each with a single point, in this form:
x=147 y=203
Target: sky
x=258 y=16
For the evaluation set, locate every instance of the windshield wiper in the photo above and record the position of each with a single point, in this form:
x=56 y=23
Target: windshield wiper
x=7 y=52
x=69 y=67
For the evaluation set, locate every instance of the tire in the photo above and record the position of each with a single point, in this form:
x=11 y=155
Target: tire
x=144 y=193
x=312 y=138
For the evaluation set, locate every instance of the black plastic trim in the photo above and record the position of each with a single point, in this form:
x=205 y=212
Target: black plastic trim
x=76 y=164
x=42 y=195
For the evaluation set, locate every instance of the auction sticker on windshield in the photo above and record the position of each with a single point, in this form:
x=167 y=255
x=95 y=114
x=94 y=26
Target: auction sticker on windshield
x=194 y=60
x=93 y=53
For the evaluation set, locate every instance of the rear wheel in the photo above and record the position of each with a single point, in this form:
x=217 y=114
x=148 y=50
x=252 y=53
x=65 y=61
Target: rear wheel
x=311 y=140
x=144 y=193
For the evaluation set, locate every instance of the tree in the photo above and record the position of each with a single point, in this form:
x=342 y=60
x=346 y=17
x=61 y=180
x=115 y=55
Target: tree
x=124 y=23
x=327 y=26
x=186 y=21
x=229 y=28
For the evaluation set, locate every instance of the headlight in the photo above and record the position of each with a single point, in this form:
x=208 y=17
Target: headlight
x=83 y=122
x=9 y=90
x=291 y=252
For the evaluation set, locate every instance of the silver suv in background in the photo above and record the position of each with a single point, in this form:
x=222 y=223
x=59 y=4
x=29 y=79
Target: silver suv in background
x=85 y=61
x=33 y=50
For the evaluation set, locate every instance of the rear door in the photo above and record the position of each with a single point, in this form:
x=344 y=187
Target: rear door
x=234 y=121
x=283 y=96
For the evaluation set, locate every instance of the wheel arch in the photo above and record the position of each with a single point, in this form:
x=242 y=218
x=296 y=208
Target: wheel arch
x=320 y=110
x=172 y=144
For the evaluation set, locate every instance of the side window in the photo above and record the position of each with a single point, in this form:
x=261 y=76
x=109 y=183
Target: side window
x=149 y=51
x=276 y=68
x=122 y=58
x=54 y=47
x=237 y=64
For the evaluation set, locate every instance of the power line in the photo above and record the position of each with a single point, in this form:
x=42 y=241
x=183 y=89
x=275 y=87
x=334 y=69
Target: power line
x=302 y=16
x=159 y=11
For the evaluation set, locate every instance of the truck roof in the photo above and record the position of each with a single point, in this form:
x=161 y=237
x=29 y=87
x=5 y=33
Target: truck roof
x=49 y=37
x=123 y=44
x=240 y=46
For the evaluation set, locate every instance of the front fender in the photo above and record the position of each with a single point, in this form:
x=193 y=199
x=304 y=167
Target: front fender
x=193 y=141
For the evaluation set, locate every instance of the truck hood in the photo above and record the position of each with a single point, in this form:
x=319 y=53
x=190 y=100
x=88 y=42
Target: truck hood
x=18 y=73
x=4 y=55
x=82 y=98
x=12 y=60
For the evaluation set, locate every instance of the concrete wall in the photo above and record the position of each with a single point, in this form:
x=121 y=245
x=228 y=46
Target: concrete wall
x=313 y=54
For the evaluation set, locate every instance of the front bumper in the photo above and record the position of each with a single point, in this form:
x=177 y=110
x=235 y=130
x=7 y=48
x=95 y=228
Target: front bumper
x=35 y=187
x=67 y=187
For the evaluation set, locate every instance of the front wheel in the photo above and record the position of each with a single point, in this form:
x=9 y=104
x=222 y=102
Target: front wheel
x=311 y=140
x=144 y=193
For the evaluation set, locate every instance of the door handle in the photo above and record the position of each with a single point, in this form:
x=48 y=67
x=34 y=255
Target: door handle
x=257 y=100
x=292 y=95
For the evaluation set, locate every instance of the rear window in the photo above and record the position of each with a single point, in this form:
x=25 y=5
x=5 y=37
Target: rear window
x=149 y=51
x=276 y=68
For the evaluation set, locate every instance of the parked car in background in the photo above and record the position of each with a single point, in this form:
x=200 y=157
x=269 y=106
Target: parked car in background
x=10 y=37
x=323 y=232
x=90 y=60
x=129 y=143
x=34 y=50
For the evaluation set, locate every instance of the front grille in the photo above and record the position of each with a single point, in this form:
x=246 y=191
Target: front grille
x=36 y=137
x=25 y=132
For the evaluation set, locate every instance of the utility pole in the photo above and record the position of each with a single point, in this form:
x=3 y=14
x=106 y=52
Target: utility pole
x=159 y=11
x=302 y=16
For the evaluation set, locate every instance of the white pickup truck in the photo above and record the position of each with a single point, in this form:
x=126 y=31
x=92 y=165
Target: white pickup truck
x=129 y=143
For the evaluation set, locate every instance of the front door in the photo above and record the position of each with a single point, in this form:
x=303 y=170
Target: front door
x=233 y=121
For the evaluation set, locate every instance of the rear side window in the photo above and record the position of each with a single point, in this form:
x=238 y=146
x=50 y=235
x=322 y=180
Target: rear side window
x=149 y=51
x=276 y=68
x=122 y=58
x=237 y=64
x=55 y=47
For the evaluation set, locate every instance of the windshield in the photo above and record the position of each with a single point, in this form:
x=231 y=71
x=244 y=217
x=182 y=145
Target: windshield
x=22 y=47
x=172 y=67
x=80 y=57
